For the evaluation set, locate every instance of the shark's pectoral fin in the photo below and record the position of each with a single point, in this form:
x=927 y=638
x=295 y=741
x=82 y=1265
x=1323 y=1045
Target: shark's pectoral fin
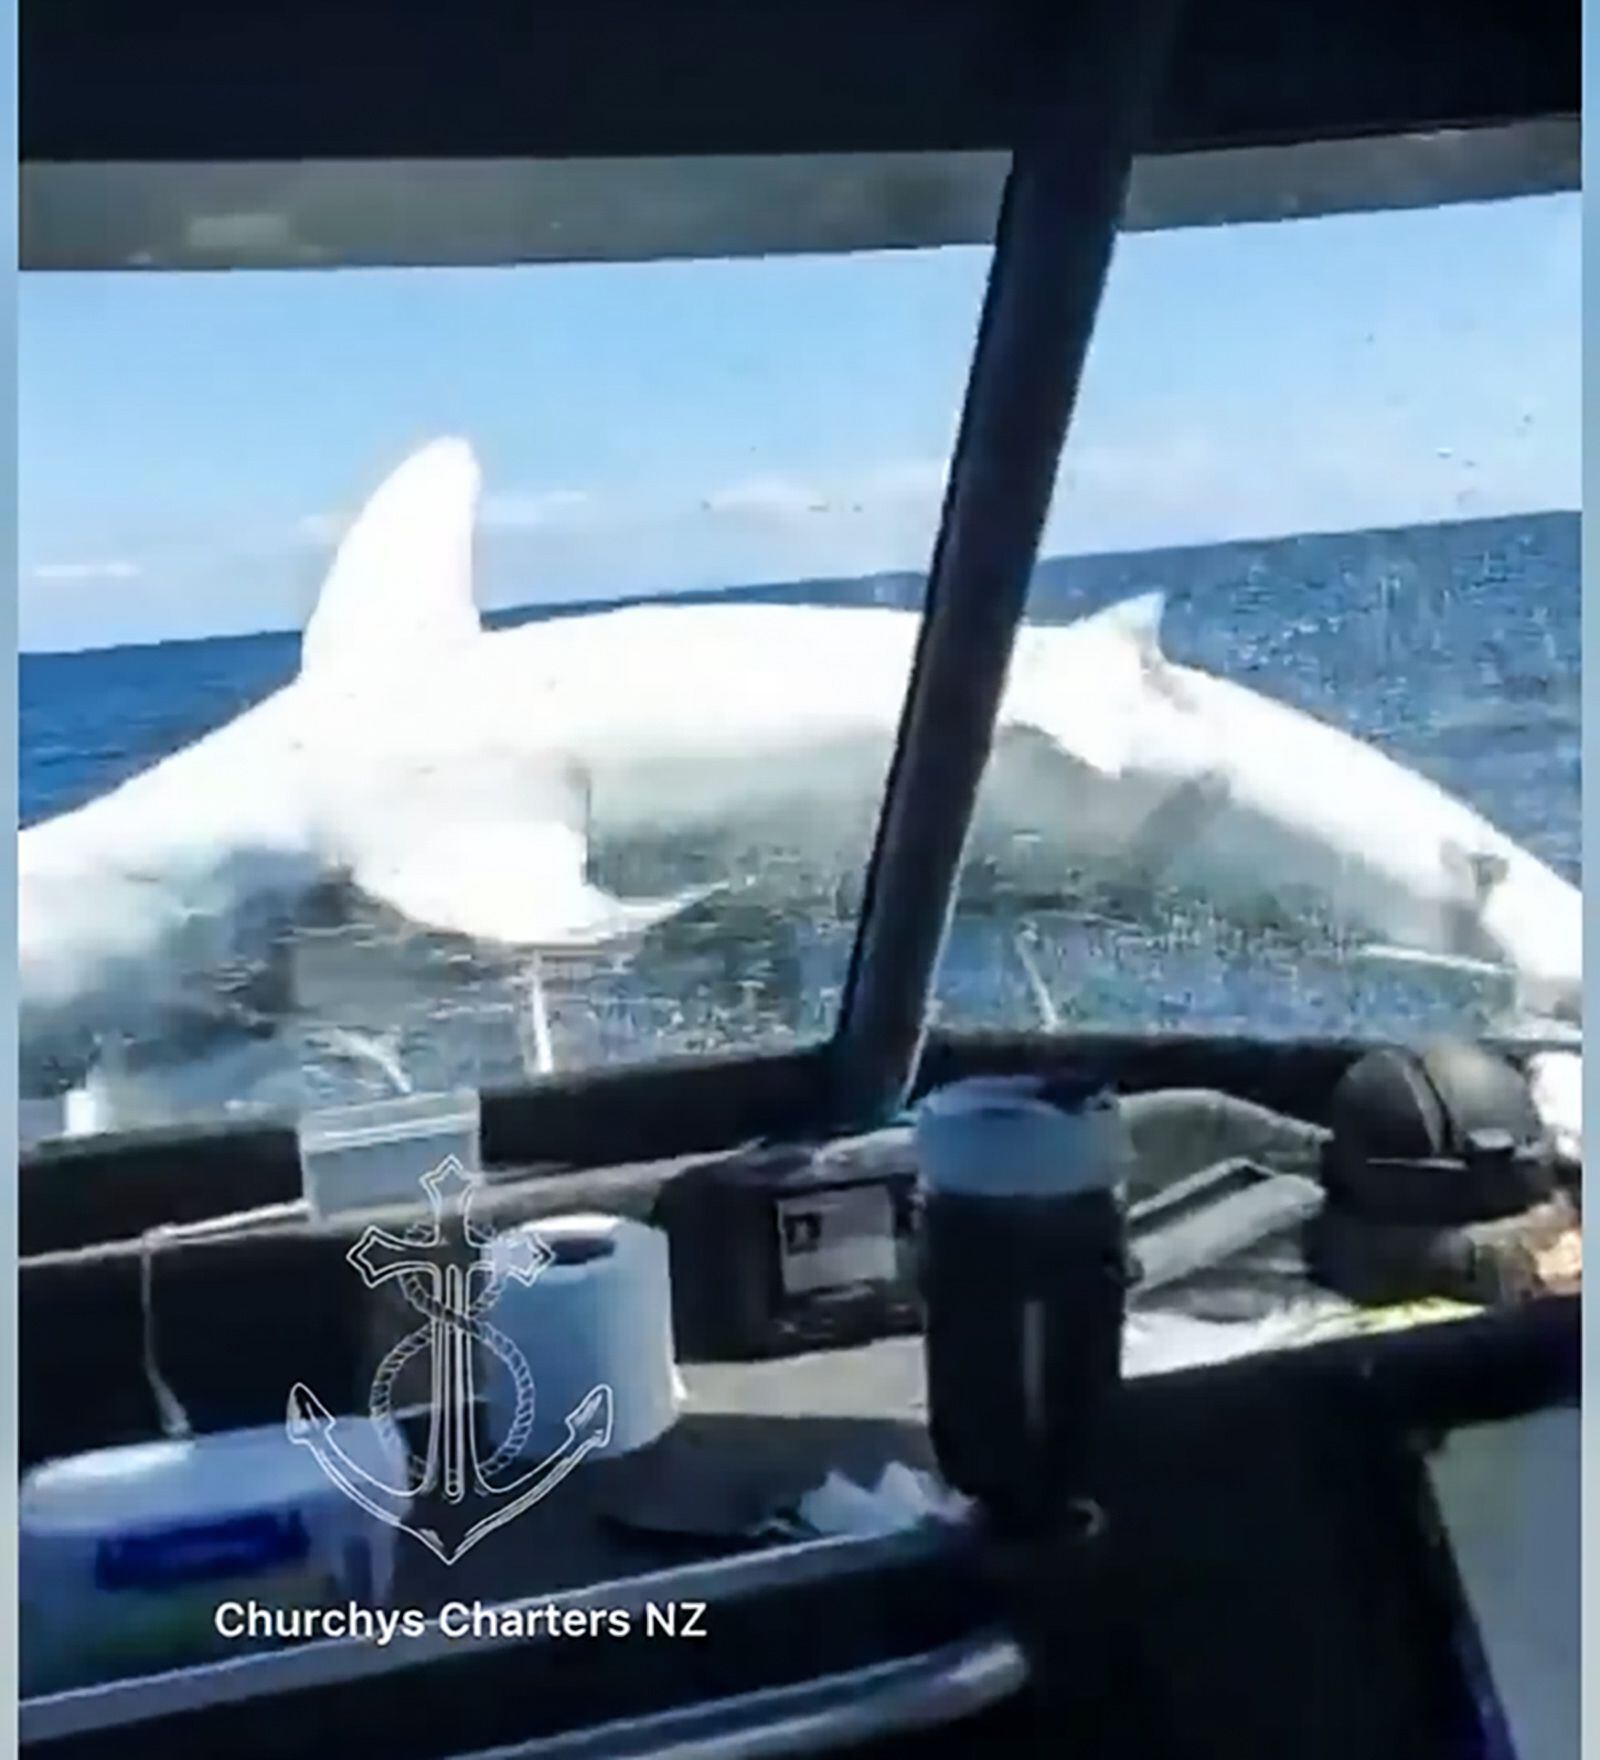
x=517 y=884
x=1098 y=745
x=1172 y=827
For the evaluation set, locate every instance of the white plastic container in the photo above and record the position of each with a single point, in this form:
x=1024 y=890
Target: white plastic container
x=379 y=1152
x=126 y=1554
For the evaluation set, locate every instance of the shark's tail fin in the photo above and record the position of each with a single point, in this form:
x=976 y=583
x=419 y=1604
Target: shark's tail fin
x=399 y=592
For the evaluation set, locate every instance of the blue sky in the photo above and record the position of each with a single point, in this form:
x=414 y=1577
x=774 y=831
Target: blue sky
x=190 y=444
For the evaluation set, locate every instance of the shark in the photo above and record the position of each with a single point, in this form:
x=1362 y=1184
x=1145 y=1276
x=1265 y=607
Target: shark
x=459 y=777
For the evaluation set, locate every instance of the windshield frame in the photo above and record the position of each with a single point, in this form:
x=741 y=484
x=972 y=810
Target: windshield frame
x=1076 y=102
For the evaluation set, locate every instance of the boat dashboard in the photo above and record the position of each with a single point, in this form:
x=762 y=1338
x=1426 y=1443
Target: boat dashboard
x=1272 y=1568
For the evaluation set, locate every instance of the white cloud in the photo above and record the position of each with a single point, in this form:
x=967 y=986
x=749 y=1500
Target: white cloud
x=895 y=486
x=113 y=569
x=532 y=510
x=871 y=519
x=1199 y=486
x=767 y=498
x=913 y=479
x=321 y=528
x=1167 y=483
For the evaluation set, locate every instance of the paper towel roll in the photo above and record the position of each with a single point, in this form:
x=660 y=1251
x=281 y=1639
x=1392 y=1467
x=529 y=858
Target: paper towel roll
x=598 y=1314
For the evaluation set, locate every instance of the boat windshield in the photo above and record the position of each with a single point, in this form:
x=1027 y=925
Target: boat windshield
x=1291 y=745
x=448 y=676
x=455 y=675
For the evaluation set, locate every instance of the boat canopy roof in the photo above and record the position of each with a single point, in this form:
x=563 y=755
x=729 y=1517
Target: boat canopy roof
x=194 y=81
x=283 y=132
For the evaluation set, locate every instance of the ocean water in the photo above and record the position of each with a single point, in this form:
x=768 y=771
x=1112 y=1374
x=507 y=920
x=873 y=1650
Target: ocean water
x=1453 y=648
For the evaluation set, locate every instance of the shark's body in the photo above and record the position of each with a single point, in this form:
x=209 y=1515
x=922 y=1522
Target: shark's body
x=459 y=776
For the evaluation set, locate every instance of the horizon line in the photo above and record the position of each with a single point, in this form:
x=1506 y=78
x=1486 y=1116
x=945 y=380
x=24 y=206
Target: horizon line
x=626 y=600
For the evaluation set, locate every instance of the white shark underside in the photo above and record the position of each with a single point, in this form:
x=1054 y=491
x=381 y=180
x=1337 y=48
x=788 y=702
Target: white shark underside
x=460 y=777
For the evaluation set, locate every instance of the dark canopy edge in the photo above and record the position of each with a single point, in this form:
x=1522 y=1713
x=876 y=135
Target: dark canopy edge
x=290 y=79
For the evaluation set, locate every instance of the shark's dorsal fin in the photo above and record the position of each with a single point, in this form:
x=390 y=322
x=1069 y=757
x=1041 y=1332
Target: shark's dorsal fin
x=400 y=588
